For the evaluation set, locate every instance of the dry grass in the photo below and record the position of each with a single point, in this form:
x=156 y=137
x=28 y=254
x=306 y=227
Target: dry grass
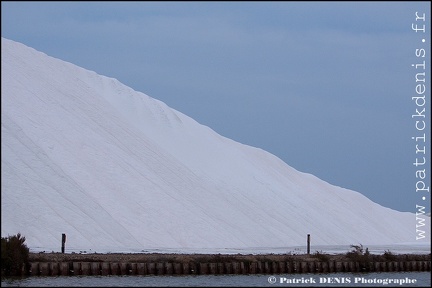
x=214 y=258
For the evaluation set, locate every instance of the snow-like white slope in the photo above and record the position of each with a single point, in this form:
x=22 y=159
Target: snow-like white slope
x=116 y=170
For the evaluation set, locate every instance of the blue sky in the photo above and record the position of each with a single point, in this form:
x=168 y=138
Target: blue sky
x=325 y=86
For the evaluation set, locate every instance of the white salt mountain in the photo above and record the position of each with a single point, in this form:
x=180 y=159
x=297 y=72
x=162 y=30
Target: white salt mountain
x=116 y=170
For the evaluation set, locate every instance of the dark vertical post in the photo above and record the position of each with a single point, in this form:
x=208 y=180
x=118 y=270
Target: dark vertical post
x=308 y=244
x=63 y=242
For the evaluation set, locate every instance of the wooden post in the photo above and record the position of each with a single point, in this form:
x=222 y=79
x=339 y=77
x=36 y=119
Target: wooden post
x=213 y=268
x=105 y=268
x=55 y=271
x=228 y=268
x=186 y=269
x=308 y=244
x=44 y=269
x=63 y=243
x=64 y=268
x=95 y=268
x=178 y=268
x=220 y=268
x=169 y=268
x=141 y=269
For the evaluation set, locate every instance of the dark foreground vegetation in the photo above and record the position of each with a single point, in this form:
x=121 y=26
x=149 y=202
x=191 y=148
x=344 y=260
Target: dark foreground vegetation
x=357 y=254
x=16 y=258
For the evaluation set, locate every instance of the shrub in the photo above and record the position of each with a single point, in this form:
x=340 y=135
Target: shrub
x=14 y=255
x=389 y=256
x=358 y=254
x=321 y=256
x=363 y=257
